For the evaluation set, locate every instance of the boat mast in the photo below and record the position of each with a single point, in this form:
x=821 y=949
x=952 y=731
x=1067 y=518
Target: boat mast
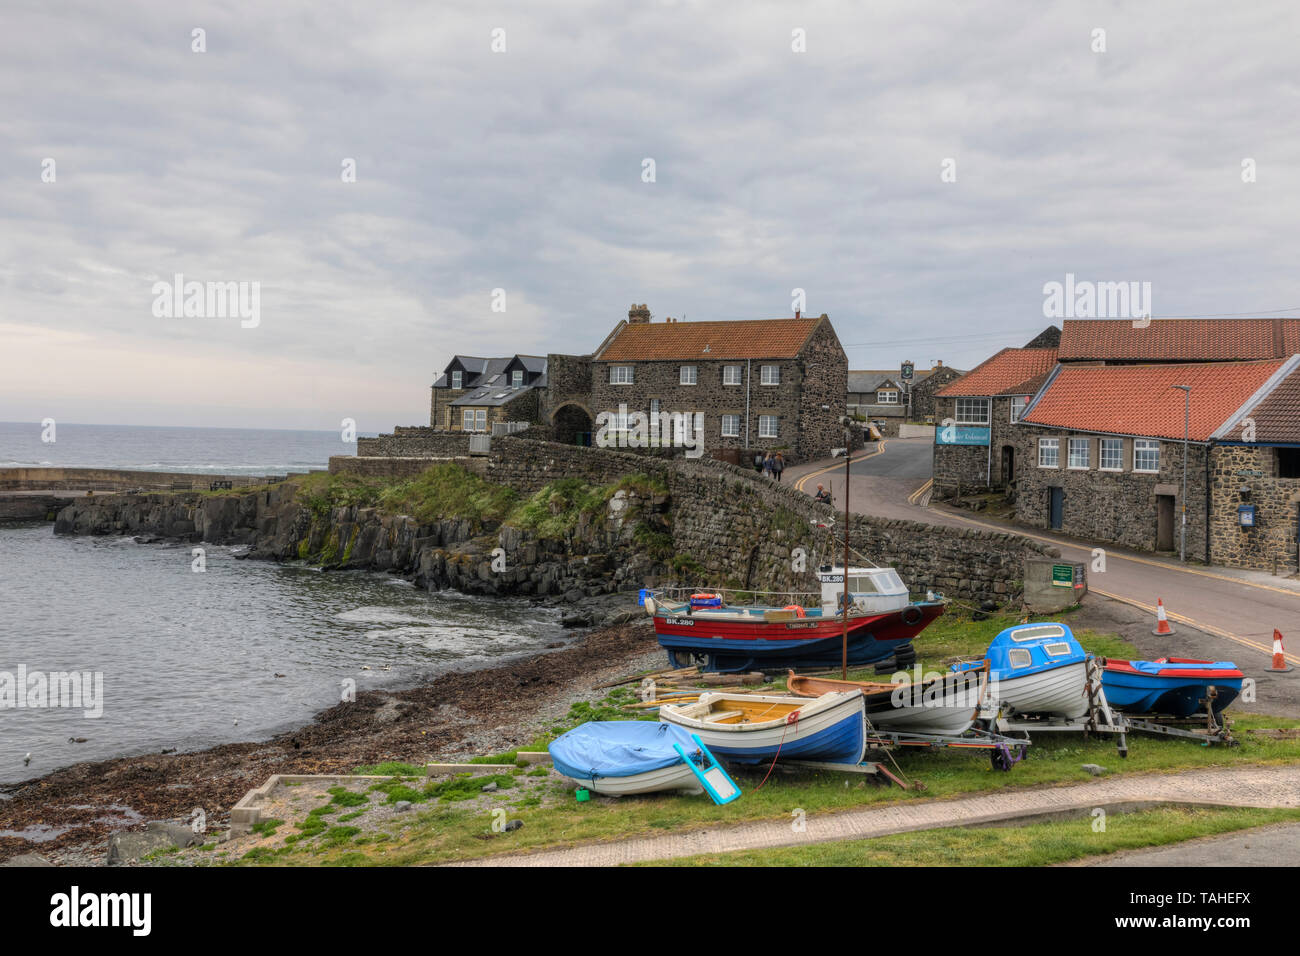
x=848 y=457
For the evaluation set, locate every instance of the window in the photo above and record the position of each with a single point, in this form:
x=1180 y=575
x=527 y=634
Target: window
x=770 y=375
x=731 y=375
x=1049 y=453
x=1037 y=632
x=455 y=379
x=1112 y=454
x=972 y=411
x=730 y=426
x=887 y=396
x=1018 y=404
x=1146 y=455
x=516 y=378
x=618 y=420
x=767 y=427
x=1019 y=657
x=620 y=375
x=1057 y=650
x=1288 y=462
x=654 y=407
x=688 y=376
x=1080 y=453
x=474 y=419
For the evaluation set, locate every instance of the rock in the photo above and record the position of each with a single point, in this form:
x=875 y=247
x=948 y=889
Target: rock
x=490 y=787
x=576 y=619
x=513 y=825
x=26 y=859
x=1093 y=769
x=180 y=834
x=988 y=606
x=131 y=847
x=402 y=806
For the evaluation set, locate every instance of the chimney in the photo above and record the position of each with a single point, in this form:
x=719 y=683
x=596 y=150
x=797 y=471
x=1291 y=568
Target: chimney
x=938 y=363
x=638 y=315
x=796 y=313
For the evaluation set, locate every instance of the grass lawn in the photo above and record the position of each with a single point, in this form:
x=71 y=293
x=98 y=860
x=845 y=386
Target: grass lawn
x=1038 y=844
x=439 y=830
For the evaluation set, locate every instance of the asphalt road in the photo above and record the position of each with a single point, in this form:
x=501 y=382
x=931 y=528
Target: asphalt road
x=1277 y=845
x=1234 y=611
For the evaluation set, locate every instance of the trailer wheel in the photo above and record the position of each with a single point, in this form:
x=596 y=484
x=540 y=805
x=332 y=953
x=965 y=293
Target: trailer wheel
x=1001 y=759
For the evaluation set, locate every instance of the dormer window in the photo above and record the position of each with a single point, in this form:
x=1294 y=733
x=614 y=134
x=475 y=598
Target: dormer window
x=456 y=379
x=516 y=378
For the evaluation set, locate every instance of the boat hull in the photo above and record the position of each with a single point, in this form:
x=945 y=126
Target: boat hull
x=1175 y=691
x=1057 y=692
x=676 y=778
x=733 y=645
x=829 y=728
x=946 y=705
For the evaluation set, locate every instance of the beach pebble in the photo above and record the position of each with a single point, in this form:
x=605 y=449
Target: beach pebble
x=490 y=787
x=401 y=806
x=514 y=825
x=1093 y=769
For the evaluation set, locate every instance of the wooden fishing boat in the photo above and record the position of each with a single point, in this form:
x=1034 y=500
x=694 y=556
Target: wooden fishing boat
x=946 y=704
x=1177 y=686
x=882 y=621
x=1036 y=669
x=755 y=728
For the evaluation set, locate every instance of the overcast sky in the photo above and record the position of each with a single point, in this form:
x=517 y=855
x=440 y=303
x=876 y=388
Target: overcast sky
x=523 y=170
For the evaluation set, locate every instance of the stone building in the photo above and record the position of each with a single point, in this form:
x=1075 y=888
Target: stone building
x=974 y=441
x=776 y=384
x=472 y=394
x=925 y=385
x=1101 y=450
x=877 y=395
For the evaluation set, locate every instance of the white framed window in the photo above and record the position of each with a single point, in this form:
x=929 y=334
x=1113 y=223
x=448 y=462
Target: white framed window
x=730 y=426
x=770 y=375
x=620 y=375
x=654 y=408
x=767 y=426
x=516 y=378
x=1080 y=453
x=474 y=419
x=1146 y=455
x=618 y=421
x=1049 y=453
x=689 y=375
x=1112 y=454
x=456 y=379
x=887 y=396
x=1019 y=657
x=972 y=411
x=731 y=375
x=1018 y=404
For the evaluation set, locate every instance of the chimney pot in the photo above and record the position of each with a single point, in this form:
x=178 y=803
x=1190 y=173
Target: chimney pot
x=638 y=315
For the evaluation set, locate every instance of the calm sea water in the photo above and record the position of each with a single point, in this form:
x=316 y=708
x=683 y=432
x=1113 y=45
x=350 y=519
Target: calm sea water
x=189 y=660
x=225 y=451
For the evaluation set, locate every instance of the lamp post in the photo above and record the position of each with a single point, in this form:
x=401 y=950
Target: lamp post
x=1187 y=427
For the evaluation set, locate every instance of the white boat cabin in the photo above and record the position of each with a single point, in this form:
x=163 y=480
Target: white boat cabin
x=872 y=590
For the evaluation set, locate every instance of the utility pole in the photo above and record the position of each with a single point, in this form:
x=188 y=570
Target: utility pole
x=1187 y=427
x=848 y=458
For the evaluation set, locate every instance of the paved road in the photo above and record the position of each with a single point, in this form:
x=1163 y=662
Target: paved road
x=1277 y=845
x=1238 y=608
x=1242 y=787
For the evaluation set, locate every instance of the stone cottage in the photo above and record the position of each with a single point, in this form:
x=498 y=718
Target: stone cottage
x=472 y=394
x=759 y=384
x=1102 y=449
x=974 y=441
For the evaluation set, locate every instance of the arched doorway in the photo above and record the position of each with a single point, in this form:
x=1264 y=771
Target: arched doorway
x=572 y=424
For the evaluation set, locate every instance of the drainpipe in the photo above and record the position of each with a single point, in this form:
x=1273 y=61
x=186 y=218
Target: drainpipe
x=748 y=367
x=1208 y=446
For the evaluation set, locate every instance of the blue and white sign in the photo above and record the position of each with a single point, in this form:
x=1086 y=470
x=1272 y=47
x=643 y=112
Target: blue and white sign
x=961 y=435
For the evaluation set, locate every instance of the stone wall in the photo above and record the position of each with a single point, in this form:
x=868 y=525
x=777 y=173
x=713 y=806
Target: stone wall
x=1271 y=545
x=117 y=479
x=414 y=443
x=1115 y=506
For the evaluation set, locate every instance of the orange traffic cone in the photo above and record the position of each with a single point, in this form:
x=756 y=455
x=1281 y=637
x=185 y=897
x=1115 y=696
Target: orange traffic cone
x=1163 y=626
x=1279 y=656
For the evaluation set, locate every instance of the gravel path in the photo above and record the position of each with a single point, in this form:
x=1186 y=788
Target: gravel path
x=1245 y=787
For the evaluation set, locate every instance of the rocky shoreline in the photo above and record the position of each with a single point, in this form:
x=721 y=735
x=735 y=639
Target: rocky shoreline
x=454 y=716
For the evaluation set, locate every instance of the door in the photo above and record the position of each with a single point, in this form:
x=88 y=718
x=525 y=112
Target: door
x=1008 y=464
x=1164 y=522
x=1056 y=508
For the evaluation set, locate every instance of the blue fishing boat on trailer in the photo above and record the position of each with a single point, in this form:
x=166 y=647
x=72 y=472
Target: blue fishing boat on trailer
x=1176 y=686
x=1036 y=669
x=882 y=620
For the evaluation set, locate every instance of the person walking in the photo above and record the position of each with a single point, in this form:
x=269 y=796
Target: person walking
x=758 y=461
x=778 y=466
x=767 y=464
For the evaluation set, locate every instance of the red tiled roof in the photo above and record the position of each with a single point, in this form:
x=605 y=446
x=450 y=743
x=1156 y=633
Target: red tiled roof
x=1179 y=340
x=751 y=338
x=1007 y=373
x=1141 y=399
x=1277 y=415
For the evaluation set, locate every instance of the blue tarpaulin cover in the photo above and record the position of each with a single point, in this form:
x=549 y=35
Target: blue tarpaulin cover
x=618 y=748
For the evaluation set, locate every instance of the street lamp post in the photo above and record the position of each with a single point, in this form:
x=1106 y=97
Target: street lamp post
x=1187 y=424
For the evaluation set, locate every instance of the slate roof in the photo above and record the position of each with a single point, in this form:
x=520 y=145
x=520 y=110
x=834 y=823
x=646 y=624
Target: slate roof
x=1141 y=399
x=1009 y=372
x=487 y=372
x=746 y=338
x=1179 y=340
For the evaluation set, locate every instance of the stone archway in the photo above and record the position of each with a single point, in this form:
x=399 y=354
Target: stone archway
x=572 y=424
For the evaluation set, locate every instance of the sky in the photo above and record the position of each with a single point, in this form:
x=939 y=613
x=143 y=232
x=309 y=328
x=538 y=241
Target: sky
x=919 y=169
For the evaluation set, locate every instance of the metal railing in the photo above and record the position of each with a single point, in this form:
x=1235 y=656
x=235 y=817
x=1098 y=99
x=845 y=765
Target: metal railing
x=740 y=597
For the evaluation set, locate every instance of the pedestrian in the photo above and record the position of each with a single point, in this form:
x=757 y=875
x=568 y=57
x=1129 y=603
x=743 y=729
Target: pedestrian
x=767 y=464
x=778 y=466
x=758 y=461
x=822 y=495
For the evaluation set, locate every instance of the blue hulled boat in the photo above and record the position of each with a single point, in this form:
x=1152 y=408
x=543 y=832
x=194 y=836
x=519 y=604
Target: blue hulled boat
x=1177 y=686
x=1037 y=669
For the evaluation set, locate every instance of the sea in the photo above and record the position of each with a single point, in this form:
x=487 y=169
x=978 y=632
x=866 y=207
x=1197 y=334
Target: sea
x=238 y=652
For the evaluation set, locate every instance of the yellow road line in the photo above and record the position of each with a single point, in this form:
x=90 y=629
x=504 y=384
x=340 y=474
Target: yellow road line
x=880 y=450
x=1192 y=622
x=915 y=496
x=1126 y=557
